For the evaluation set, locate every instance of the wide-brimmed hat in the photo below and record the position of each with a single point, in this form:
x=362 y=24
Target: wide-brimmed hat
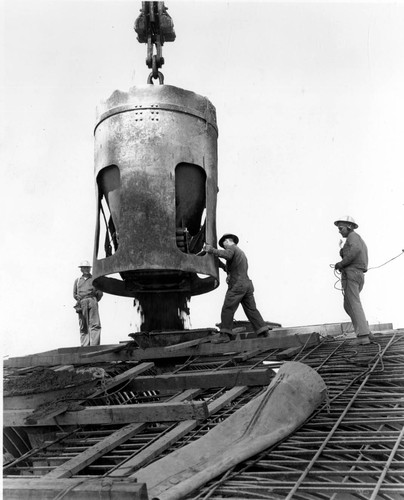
x=84 y=263
x=228 y=235
x=347 y=219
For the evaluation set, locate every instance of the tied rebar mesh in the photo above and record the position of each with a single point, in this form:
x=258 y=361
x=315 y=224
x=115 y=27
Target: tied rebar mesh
x=350 y=448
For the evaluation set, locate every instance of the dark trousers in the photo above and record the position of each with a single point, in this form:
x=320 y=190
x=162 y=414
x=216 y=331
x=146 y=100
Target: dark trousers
x=241 y=293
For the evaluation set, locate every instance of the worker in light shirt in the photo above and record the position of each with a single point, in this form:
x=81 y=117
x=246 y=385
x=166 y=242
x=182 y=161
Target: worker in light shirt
x=87 y=298
x=353 y=265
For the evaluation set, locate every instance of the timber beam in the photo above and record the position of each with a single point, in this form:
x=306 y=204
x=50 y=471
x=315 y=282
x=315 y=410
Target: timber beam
x=114 y=414
x=276 y=340
x=155 y=449
x=91 y=454
x=34 y=400
x=79 y=489
x=330 y=329
x=203 y=379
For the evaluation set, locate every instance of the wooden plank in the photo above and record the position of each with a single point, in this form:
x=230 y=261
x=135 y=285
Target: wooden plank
x=204 y=379
x=88 y=456
x=79 y=489
x=155 y=449
x=122 y=377
x=61 y=356
x=186 y=395
x=167 y=338
x=280 y=338
x=276 y=340
x=21 y=371
x=181 y=429
x=63 y=368
x=107 y=350
x=184 y=345
x=330 y=329
x=247 y=355
x=288 y=353
x=115 y=414
x=51 y=412
x=91 y=454
x=34 y=400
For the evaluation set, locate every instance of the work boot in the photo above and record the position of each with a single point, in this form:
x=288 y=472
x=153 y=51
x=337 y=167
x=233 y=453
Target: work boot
x=263 y=335
x=362 y=340
x=221 y=338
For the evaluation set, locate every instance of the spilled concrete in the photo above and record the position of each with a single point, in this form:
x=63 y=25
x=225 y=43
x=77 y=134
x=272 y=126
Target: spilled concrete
x=163 y=311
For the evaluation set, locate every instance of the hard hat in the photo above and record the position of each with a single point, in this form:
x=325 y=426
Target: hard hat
x=348 y=220
x=85 y=263
x=228 y=235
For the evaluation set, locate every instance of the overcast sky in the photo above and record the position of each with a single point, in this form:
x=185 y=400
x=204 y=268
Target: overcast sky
x=310 y=109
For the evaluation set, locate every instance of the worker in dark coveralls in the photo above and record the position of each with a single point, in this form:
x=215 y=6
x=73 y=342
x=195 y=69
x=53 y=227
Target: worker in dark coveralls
x=353 y=265
x=87 y=298
x=240 y=289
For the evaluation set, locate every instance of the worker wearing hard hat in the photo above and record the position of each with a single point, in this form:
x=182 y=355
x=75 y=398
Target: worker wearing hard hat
x=240 y=289
x=353 y=265
x=87 y=298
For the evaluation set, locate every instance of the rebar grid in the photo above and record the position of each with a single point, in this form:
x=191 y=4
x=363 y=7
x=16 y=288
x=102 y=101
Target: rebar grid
x=349 y=449
x=141 y=441
x=213 y=420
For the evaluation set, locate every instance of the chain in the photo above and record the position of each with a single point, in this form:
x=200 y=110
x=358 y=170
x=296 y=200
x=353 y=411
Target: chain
x=154 y=27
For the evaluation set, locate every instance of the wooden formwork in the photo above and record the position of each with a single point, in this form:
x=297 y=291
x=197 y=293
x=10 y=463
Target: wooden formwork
x=151 y=401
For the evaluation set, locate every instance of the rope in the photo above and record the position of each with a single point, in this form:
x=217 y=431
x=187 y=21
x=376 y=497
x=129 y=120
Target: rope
x=369 y=269
x=387 y=261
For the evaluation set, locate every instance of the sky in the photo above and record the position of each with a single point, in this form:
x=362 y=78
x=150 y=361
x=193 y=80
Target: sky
x=310 y=108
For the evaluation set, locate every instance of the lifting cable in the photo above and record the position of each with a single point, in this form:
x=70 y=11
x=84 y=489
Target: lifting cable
x=337 y=273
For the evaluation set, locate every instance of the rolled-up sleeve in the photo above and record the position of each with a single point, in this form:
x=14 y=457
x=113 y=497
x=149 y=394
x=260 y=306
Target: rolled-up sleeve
x=227 y=254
